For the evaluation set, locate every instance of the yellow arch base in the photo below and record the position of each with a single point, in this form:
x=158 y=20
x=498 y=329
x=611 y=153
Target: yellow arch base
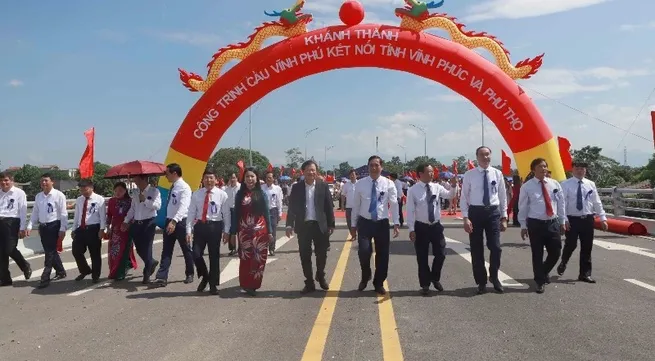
x=192 y=169
x=549 y=151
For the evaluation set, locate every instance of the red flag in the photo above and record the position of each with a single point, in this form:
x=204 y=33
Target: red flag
x=414 y=176
x=506 y=163
x=270 y=167
x=652 y=120
x=470 y=164
x=293 y=172
x=565 y=153
x=444 y=168
x=86 y=163
x=455 y=165
x=242 y=168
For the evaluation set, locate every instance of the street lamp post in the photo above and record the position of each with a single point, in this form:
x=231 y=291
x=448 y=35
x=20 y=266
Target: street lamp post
x=425 y=139
x=325 y=159
x=307 y=133
x=405 y=150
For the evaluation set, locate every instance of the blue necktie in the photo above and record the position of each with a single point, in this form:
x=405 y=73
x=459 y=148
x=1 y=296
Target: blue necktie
x=373 y=206
x=578 y=201
x=485 y=186
x=428 y=195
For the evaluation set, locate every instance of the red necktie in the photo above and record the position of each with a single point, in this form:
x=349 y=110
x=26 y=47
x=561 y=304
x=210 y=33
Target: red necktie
x=549 y=205
x=83 y=221
x=205 y=206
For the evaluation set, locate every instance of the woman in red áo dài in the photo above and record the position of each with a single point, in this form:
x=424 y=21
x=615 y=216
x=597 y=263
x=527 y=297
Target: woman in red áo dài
x=252 y=221
x=121 y=252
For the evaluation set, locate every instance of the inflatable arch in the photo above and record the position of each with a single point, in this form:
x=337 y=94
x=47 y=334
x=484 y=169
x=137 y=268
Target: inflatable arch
x=453 y=63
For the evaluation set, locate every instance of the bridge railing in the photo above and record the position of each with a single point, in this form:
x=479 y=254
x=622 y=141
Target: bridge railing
x=621 y=202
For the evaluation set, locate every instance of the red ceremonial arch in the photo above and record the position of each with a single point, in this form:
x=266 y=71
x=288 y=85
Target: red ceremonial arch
x=451 y=62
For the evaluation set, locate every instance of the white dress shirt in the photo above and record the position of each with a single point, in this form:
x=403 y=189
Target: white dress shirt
x=386 y=191
x=399 y=187
x=348 y=190
x=310 y=207
x=231 y=193
x=49 y=208
x=532 y=204
x=417 y=202
x=217 y=210
x=13 y=204
x=179 y=198
x=96 y=212
x=274 y=193
x=473 y=190
x=591 y=203
x=147 y=209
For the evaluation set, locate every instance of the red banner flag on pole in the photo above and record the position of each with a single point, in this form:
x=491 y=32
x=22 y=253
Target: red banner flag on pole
x=444 y=168
x=455 y=166
x=269 y=168
x=565 y=153
x=506 y=163
x=652 y=120
x=86 y=163
x=242 y=169
x=470 y=165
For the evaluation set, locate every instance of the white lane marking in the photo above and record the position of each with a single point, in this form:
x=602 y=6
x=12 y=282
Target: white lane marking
x=230 y=272
x=460 y=248
x=641 y=284
x=610 y=246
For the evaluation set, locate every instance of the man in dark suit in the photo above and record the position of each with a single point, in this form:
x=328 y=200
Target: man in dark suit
x=311 y=216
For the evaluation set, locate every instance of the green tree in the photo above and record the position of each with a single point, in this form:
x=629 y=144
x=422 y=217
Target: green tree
x=412 y=164
x=600 y=169
x=648 y=172
x=343 y=169
x=395 y=165
x=32 y=174
x=224 y=162
x=102 y=186
x=294 y=158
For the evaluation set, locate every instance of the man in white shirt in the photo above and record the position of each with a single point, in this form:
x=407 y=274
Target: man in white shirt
x=542 y=215
x=370 y=220
x=484 y=208
x=399 y=191
x=177 y=208
x=348 y=193
x=13 y=219
x=582 y=204
x=274 y=193
x=231 y=189
x=88 y=227
x=50 y=213
x=140 y=220
x=425 y=228
x=207 y=222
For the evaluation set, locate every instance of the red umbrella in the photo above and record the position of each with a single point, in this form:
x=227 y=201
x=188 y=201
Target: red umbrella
x=135 y=168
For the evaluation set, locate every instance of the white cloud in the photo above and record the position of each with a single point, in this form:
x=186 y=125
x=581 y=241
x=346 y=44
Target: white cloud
x=557 y=83
x=190 y=38
x=517 y=9
x=634 y=27
x=15 y=83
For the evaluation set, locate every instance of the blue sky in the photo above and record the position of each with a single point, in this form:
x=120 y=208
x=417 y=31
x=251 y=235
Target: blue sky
x=66 y=66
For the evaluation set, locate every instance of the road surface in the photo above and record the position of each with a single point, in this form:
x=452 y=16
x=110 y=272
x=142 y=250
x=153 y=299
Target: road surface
x=611 y=320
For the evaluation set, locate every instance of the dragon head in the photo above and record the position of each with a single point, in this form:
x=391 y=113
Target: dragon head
x=292 y=16
x=417 y=9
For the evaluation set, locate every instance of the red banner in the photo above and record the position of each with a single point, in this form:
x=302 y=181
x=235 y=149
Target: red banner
x=506 y=163
x=242 y=169
x=86 y=163
x=455 y=165
x=470 y=164
x=565 y=153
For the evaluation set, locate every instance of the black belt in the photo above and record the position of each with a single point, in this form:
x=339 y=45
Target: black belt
x=9 y=218
x=429 y=224
x=209 y=222
x=543 y=221
x=586 y=216
x=493 y=206
x=144 y=221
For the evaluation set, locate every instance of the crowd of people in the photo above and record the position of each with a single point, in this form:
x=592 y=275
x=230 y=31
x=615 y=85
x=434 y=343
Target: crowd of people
x=245 y=214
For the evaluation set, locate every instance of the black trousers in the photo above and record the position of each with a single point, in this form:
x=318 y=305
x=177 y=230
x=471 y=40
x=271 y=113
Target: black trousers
x=427 y=235
x=367 y=231
x=143 y=235
x=486 y=222
x=179 y=235
x=88 y=238
x=400 y=211
x=582 y=228
x=208 y=235
x=515 y=213
x=230 y=246
x=49 y=233
x=9 y=229
x=310 y=233
x=544 y=234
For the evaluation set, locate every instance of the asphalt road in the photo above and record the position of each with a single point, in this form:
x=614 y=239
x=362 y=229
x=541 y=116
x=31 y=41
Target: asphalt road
x=611 y=320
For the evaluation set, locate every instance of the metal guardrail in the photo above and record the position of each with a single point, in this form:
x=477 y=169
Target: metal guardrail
x=618 y=201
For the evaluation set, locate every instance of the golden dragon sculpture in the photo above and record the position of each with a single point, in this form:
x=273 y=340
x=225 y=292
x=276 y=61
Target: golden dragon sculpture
x=416 y=16
x=291 y=23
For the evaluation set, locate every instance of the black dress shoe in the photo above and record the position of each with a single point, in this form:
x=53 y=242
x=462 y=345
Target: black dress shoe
x=541 y=288
x=380 y=290
x=60 y=276
x=188 y=279
x=322 y=283
x=425 y=291
x=95 y=279
x=203 y=284
x=482 y=289
x=498 y=286
x=547 y=279
x=160 y=283
x=43 y=284
x=81 y=276
x=561 y=268
x=308 y=289
x=250 y=292
x=587 y=279
x=146 y=279
x=28 y=272
x=362 y=285
x=271 y=253
x=213 y=290
x=438 y=286
x=6 y=283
